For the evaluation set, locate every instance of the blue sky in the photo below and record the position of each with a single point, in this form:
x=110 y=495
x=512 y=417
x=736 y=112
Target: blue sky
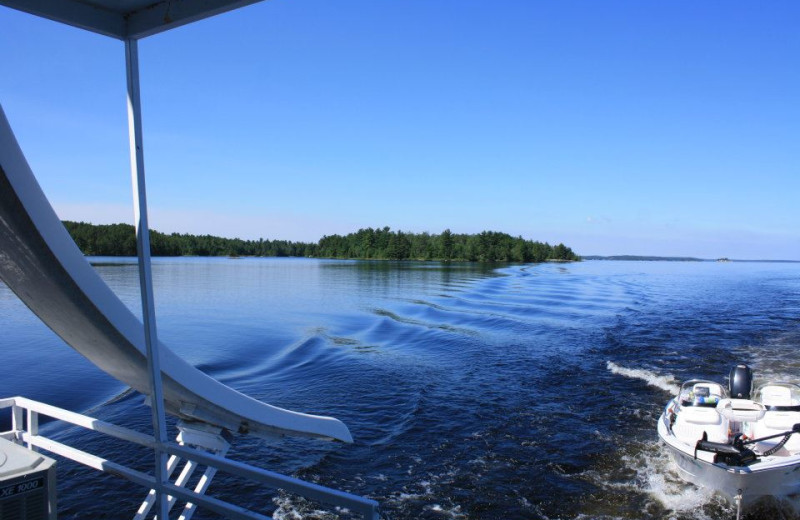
x=659 y=128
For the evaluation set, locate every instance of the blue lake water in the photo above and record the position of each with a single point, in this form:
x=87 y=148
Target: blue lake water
x=472 y=391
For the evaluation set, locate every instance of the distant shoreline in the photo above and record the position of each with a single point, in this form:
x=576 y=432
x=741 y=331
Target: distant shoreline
x=365 y=244
x=638 y=258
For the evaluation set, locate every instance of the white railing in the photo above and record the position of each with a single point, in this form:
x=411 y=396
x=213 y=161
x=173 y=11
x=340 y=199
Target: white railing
x=26 y=412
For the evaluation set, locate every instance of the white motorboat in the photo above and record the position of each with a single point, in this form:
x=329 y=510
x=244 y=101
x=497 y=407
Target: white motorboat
x=743 y=444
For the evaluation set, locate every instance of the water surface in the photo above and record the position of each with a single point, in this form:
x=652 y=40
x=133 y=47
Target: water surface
x=472 y=391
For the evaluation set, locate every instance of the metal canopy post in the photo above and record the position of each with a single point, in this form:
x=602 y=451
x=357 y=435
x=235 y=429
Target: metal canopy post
x=145 y=272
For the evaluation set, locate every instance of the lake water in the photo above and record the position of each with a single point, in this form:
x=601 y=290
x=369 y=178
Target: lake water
x=472 y=391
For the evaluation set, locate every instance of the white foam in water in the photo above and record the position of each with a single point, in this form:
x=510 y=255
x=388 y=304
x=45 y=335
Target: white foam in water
x=654 y=475
x=289 y=510
x=663 y=382
x=453 y=512
x=655 y=471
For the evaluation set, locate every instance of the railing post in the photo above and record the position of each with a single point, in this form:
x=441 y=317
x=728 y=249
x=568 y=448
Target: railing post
x=33 y=427
x=145 y=272
x=211 y=444
x=16 y=420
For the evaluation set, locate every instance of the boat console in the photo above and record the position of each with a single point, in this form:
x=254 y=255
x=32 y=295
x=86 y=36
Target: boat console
x=695 y=415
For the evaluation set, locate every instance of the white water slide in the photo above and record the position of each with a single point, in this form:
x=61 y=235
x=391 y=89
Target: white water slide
x=41 y=263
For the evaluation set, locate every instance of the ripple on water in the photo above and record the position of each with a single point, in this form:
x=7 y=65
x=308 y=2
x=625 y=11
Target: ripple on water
x=521 y=392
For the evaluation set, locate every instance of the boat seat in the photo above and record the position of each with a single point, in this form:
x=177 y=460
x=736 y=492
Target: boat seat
x=693 y=421
x=776 y=396
x=697 y=415
x=777 y=421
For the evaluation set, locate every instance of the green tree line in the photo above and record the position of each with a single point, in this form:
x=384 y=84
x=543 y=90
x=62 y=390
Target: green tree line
x=120 y=240
x=487 y=246
x=369 y=243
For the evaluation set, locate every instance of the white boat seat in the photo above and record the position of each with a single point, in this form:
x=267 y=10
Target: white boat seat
x=693 y=421
x=781 y=421
x=781 y=416
x=698 y=415
x=776 y=396
x=774 y=423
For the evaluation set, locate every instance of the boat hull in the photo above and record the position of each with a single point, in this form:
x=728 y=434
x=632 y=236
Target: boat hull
x=771 y=476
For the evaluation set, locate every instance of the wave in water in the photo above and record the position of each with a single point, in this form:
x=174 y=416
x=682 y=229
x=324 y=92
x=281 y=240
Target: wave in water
x=465 y=387
x=666 y=383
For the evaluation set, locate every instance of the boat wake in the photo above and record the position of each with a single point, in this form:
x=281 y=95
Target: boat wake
x=639 y=482
x=666 y=383
x=657 y=476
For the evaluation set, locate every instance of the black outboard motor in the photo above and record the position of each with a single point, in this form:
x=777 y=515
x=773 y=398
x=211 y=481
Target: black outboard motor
x=740 y=383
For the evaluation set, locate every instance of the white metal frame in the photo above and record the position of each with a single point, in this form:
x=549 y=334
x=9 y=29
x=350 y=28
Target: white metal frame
x=145 y=272
x=26 y=412
x=130 y=21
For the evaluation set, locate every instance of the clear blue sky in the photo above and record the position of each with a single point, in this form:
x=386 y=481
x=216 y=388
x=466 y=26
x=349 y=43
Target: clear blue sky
x=616 y=127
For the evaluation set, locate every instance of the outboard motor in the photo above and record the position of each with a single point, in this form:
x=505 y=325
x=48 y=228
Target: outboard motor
x=740 y=383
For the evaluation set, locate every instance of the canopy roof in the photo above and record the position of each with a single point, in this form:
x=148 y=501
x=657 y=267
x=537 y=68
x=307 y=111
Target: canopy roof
x=126 y=19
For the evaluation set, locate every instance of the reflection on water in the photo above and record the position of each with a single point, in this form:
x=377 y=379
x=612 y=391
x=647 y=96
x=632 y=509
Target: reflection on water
x=473 y=391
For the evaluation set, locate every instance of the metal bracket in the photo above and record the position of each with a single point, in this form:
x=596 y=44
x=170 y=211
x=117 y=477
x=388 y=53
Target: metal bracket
x=197 y=435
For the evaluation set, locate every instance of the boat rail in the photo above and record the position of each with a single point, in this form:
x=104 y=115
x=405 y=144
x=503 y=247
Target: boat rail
x=25 y=414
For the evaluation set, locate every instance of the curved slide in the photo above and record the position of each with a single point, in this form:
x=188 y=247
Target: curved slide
x=40 y=262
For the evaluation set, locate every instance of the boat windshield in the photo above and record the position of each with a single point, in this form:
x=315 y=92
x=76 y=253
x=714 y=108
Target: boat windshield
x=779 y=396
x=698 y=392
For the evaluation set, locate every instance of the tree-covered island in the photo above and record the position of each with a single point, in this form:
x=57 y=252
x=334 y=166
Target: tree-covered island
x=369 y=243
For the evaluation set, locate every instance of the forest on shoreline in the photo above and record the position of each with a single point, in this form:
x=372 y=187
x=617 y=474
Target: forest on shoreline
x=368 y=243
